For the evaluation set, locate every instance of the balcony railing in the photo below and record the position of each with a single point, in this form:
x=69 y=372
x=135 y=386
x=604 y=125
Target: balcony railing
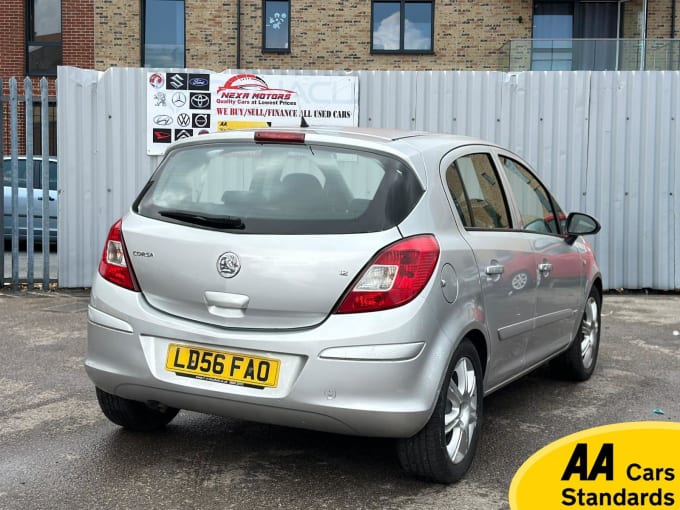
x=590 y=55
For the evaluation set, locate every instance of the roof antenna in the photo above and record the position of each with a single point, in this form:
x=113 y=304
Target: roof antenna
x=303 y=123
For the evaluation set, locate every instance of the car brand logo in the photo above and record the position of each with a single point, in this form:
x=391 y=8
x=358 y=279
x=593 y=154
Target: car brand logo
x=156 y=80
x=179 y=99
x=183 y=120
x=228 y=265
x=162 y=135
x=200 y=101
x=201 y=120
x=177 y=81
x=199 y=82
x=159 y=99
x=204 y=132
x=180 y=134
x=162 y=120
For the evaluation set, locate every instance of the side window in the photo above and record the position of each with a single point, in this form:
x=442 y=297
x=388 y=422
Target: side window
x=532 y=199
x=476 y=192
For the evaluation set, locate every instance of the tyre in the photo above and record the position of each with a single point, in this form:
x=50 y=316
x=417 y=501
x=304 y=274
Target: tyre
x=443 y=450
x=578 y=362
x=134 y=415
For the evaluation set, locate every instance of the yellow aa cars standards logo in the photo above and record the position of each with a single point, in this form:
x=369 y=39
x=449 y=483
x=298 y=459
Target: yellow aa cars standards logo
x=627 y=465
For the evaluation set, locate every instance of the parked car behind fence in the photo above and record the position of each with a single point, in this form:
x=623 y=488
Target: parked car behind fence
x=22 y=199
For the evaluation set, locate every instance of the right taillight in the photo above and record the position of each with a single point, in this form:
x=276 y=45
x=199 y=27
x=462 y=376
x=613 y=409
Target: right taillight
x=395 y=276
x=114 y=265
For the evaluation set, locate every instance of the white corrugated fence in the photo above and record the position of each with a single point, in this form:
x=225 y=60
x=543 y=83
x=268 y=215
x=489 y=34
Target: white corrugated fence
x=605 y=143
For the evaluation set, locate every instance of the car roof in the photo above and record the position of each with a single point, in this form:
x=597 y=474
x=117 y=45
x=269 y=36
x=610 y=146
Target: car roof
x=377 y=136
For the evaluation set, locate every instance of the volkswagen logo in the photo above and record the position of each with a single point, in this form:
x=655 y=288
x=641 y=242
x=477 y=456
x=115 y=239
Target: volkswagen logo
x=228 y=265
x=183 y=120
x=200 y=100
x=162 y=120
x=179 y=99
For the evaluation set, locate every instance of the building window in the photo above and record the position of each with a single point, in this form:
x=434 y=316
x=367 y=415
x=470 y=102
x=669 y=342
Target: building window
x=43 y=37
x=405 y=26
x=276 y=26
x=163 y=33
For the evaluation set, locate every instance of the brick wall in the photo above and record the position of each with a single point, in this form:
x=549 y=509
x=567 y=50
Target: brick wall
x=333 y=34
x=117 y=30
x=77 y=28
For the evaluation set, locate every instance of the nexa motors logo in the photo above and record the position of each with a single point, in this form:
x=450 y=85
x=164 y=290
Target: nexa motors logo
x=249 y=86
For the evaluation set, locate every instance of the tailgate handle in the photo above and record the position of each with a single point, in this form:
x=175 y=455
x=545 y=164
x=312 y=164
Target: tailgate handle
x=226 y=300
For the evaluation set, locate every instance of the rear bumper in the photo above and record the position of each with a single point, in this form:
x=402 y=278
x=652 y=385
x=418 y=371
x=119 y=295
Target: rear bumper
x=385 y=388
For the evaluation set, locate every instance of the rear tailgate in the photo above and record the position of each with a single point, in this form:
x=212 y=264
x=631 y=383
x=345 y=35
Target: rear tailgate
x=283 y=281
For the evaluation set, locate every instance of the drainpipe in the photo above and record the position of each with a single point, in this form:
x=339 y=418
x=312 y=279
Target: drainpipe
x=673 y=19
x=643 y=46
x=238 y=34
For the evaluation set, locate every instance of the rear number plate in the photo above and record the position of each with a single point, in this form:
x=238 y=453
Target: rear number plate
x=222 y=366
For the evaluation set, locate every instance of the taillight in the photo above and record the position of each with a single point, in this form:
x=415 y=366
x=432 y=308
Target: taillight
x=114 y=265
x=395 y=276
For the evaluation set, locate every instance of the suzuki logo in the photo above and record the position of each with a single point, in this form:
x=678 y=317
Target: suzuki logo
x=176 y=81
x=228 y=265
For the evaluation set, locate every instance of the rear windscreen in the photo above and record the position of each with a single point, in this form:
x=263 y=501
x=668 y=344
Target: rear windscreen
x=280 y=189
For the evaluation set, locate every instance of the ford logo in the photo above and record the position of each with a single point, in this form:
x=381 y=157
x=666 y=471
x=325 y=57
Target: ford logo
x=198 y=82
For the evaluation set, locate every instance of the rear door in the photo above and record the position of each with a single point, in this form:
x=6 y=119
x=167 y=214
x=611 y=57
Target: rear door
x=560 y=269
x=263 y=236
x=505 y=257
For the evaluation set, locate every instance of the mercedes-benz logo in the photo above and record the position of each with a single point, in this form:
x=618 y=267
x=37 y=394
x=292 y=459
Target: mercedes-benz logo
x=228 y=265
x=179 y=99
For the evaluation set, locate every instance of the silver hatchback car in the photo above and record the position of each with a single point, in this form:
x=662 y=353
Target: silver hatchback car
x=366 y=282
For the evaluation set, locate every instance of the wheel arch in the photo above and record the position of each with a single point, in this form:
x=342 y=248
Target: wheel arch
x=478 y=340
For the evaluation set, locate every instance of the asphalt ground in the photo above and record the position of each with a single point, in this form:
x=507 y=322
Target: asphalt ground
x=58 y=451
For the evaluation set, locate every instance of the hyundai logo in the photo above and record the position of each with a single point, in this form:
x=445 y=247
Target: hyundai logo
x=162 y=120
x=198 y=82
x=200 y=100
x=228 y=265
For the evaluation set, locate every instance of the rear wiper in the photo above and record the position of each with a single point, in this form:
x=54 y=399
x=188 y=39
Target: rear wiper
x=206 y=220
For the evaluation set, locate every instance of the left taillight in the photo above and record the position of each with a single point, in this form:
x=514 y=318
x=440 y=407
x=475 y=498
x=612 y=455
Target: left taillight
x=114 y=265
x=394 y=277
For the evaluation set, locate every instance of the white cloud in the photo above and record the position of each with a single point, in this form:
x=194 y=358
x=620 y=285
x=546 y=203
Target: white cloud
x=416 y=37
x=386 y=37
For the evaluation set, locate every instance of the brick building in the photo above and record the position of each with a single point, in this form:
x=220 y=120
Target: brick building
x=38 y=35
x=35 y=37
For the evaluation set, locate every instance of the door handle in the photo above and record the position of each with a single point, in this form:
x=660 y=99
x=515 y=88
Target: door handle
x=51 y=199
x=494 y=270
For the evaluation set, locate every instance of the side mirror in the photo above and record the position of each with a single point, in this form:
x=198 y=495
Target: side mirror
x=580 y=224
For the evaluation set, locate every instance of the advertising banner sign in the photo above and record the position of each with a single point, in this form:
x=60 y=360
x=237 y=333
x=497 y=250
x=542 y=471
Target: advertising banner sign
x=180 y=105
